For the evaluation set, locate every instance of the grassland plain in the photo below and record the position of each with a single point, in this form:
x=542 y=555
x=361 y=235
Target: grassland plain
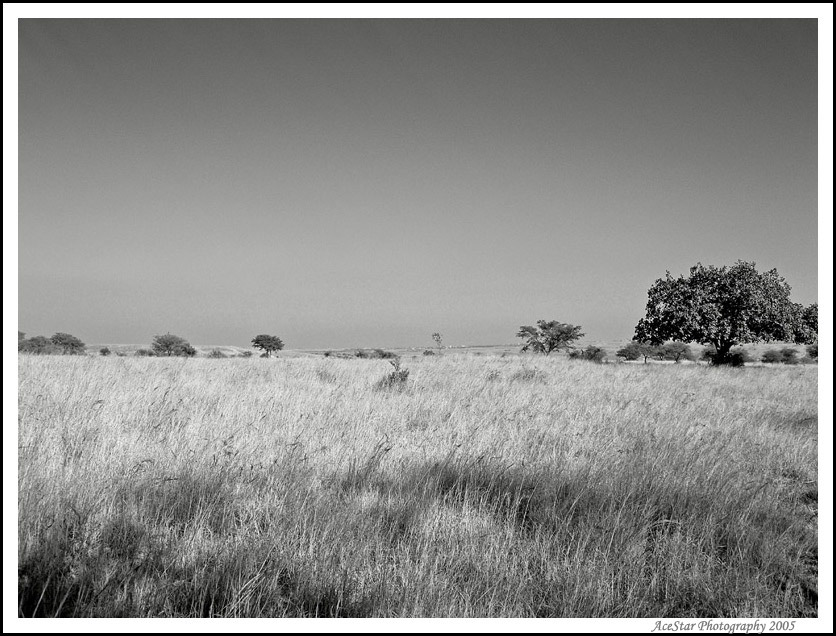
x=480 y=487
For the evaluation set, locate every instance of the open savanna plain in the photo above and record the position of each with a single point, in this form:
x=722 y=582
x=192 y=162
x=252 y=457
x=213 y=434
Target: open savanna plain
x=478 y=486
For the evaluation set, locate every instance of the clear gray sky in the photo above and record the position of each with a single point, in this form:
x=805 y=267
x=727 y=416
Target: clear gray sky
x=347 y=183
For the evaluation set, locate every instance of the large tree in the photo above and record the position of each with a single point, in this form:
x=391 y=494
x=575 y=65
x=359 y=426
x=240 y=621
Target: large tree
x=725 y=306
x=549 y=336
x=268 y=344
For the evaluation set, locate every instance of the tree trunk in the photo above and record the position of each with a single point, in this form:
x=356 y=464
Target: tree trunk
x=721 y=356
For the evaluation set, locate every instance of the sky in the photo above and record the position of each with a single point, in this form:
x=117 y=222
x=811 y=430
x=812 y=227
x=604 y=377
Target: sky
x=368 y=182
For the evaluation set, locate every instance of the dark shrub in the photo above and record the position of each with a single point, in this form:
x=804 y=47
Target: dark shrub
x=104 y=351
x=789 y=355
x=216 y=353
x=737 y=357
x=38 y=345
x=591 y=354
x=813 y=351
x=429 y=352
x=394 y=380
x=772 y=356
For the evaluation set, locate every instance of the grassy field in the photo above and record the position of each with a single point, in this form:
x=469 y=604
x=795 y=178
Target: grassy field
x=481 y=486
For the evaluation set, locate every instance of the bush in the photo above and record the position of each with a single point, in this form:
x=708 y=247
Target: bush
x=591 y=354
x=142 y=353
x=737 y=357
x=216 y=353
x=789 y=355
x=394 y=380
x=813 y=351
x=104 y=351
x=38 y=345
x=772 y=356
x=247 y=354
x=375 y=354
x=429 y=352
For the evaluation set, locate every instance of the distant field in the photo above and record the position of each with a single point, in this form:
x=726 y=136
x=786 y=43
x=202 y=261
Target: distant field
x=478 y=486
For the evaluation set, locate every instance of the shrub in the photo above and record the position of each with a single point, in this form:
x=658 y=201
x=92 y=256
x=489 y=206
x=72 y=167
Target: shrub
x=394 y=380
x=216 y=353
x=104 y=351
x=38 y=345
x=326 y=376
x=813 y=351
x=246 y=354
x=429 y=352
x=591 y=354
x=789 y=355
x=145 y=353
x=736 y=357
x=327 y=354
x=772 y=356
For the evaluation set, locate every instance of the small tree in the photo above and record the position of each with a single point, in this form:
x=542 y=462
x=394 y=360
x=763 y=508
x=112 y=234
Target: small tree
x=171 y=345
x=104 y=351
x=39 y=345
x=68 y=344
x=437 y=337
x=724 y=307
x=635 y=350
x=676 y=351
x=267 y=344
x=549 y=336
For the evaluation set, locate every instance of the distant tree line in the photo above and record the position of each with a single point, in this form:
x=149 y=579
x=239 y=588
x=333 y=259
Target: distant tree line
x=717 y=307
x=59 y=344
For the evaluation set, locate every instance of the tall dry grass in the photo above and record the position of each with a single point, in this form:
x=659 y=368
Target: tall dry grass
x=478 y=487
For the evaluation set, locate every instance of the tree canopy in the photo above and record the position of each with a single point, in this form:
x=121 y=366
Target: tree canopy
x=549 y=336
x=268 y=344
x=68 y=344
x=171 y=345
x=725 y=306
